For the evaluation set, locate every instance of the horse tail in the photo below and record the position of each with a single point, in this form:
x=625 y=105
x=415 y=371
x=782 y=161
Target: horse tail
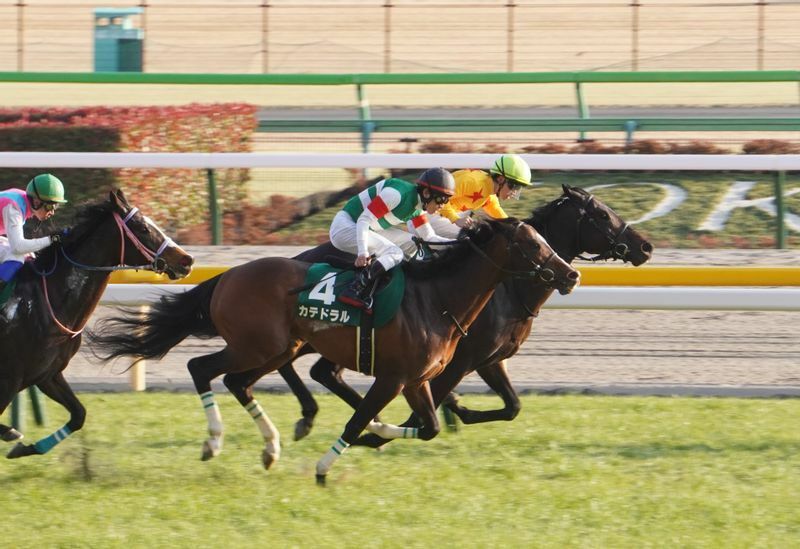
x=153 y=332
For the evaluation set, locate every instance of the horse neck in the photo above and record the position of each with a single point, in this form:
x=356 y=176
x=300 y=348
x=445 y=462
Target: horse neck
x=465 y=291
x=74 y=292
x=563 y=239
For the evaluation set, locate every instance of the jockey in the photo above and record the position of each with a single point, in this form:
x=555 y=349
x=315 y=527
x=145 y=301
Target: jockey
x=357 y=227
x=40 y=200
x=474 y=190
x=478 y=190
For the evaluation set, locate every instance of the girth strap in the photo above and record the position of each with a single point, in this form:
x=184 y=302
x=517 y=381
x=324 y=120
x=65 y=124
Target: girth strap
x=365 y=344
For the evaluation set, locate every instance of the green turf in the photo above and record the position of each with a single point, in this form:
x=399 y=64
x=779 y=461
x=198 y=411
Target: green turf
x=746 y=228
x=570 y=471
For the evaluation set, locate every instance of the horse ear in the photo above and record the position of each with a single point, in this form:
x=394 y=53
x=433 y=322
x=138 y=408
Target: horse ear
x=566 y=188
x=117 y=197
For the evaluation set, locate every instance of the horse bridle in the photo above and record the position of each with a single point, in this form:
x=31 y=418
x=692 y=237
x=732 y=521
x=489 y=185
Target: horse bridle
x=157 y=263
x=616 y=250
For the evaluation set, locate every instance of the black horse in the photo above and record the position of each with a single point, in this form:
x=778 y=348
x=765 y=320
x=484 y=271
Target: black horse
x=42 y=321
x=575 y=223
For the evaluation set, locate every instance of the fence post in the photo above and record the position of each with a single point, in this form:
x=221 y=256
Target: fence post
x=780 y=207
x=387 y=36
x=18 y=408
x=213 y=208
x=367 y=125
x=583 y=109
x=138 y=369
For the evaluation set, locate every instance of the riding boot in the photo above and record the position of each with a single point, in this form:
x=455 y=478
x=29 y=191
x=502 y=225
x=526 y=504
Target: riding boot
x=359 y=293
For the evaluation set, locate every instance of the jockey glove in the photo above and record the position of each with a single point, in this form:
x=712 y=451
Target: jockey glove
x=56 y=238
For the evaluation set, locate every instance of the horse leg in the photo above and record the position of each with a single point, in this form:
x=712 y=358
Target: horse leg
x=203 y=369
x=382 y=392
x=240 y=384
x=421 y=402
x=56 y=388
x=308 y=405
x=8 y=391
x=439 y=387
x=329 y=375
x=496 y=377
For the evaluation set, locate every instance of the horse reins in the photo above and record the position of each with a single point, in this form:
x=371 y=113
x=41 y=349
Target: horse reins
x=157 y=264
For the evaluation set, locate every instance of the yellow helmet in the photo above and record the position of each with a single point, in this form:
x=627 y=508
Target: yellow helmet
x=513 y=167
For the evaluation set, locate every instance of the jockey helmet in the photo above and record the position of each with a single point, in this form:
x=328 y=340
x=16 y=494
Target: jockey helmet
x=438 y=180
x=47 y=188
x=513 y=167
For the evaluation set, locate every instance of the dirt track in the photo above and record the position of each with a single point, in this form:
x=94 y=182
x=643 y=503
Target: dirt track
x=644 y=352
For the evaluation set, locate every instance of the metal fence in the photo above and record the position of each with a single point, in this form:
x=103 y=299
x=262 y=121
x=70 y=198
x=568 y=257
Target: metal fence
x=283 y=36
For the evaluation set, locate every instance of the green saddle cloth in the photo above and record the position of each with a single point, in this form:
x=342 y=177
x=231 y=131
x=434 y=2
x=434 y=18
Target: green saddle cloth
x=321 y=301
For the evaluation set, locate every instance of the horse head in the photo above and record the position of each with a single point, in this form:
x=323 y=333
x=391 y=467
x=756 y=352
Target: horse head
x=577 y=223
x=116 y=225
x=531 y=257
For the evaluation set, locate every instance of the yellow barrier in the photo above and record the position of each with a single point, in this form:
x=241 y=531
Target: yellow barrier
x=591 y=275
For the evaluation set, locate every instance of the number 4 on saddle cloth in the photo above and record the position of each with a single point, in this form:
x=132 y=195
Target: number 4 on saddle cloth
x=318 y=301
x=325 y=282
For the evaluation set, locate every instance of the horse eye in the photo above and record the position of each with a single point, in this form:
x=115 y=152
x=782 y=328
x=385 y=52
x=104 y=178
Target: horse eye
x=604 y=215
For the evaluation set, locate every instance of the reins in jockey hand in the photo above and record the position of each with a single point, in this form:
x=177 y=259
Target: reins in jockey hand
x=539 y=271
x=157 y=263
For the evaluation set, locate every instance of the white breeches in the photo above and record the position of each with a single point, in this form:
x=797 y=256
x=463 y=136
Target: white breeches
x=343 y=236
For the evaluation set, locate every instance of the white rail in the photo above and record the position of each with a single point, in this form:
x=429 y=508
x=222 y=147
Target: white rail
x=789 y=162
x=589 y=297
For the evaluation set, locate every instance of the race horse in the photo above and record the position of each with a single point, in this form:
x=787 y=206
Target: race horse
x=254 y=309
x=55 y=294
x=575 y=223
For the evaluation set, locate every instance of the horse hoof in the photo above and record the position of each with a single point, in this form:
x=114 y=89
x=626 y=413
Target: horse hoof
x=301 y=429
x=209 y=452
x=11 y=435
x=268 y=459
x=21 y=450
x=320 y=480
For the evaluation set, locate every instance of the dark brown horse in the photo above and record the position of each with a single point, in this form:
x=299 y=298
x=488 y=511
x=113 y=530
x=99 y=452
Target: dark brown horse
x=42 y=321
x=252 y=307
x=575 y=223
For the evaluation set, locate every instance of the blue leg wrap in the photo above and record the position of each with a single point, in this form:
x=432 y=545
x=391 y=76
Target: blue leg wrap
x=46 y=444
x=8 y=269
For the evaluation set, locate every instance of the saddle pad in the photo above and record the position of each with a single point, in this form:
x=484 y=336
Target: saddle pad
x=321 y=301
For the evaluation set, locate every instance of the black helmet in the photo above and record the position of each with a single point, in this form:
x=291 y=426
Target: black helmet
x=438 y=180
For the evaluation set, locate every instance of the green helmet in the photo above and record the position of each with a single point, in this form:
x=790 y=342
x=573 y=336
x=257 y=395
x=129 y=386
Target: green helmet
x=47 y=188
x=512 y=167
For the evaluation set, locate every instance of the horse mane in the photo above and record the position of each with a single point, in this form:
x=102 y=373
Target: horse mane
x=542 y=213
x=449 y=256
x=85 y=219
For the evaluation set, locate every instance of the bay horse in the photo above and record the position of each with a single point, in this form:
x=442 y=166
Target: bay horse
x=55 y=294
x=253 y=309
x=575 y=223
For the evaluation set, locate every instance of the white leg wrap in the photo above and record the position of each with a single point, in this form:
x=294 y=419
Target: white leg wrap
x=214 y=421
x=324 y=465
x=267 y=428
x=389 y=431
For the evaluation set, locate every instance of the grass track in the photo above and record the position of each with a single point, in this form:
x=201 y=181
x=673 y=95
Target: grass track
x=569 y=471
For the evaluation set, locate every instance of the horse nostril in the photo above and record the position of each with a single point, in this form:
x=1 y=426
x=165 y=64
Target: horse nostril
x=187 y=261
x=647 y=248
x=574 y=275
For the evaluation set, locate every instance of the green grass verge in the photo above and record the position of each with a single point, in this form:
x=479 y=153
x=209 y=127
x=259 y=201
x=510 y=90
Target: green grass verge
x=746 y=227
x=569 y=471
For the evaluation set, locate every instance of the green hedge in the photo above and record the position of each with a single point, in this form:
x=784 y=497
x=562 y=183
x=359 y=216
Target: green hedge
x=174 y=198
